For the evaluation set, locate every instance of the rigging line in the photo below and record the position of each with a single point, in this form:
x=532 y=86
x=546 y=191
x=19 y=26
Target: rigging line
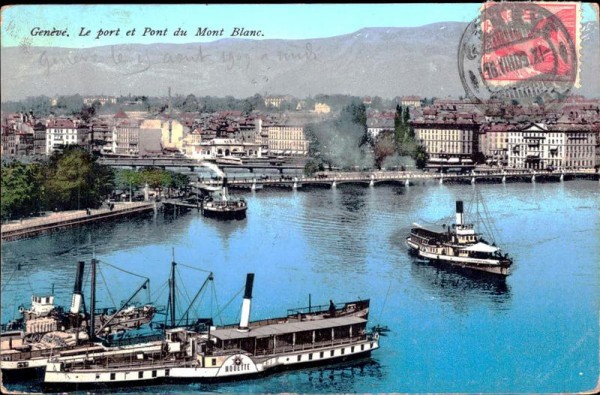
x=384 y=302
x=123 y=270
x=194 y=268
x=107 y=288
x=29 y=283
x=189 y=300
x=160 y=291
x=8 y=281
x=231 y=300
x=216 y=303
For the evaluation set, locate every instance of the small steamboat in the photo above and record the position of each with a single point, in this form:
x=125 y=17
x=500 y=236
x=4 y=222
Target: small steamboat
x=458 y=246
x=225 y=207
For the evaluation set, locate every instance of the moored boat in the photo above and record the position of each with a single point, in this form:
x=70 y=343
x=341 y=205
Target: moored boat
x=460 y=246
x=219 y=353
x=225 y=207
x=46 y=329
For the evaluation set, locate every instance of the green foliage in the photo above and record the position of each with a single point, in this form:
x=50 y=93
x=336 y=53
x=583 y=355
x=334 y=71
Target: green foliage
x=420 y=156
x=76 y=181
x=21 y=190
x=311 y=167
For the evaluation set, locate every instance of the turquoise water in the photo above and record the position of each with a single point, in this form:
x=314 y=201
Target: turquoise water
x=537 y=331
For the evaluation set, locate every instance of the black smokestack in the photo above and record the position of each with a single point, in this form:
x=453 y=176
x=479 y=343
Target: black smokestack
x=79 y=278
x=459 y=207
x=249 y=284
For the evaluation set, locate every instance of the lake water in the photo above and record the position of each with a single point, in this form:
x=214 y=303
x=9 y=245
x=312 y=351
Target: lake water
x=537 y=331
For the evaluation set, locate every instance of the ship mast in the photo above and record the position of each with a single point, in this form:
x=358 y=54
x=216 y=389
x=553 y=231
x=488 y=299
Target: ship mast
x=92 y=332
x=172 y=291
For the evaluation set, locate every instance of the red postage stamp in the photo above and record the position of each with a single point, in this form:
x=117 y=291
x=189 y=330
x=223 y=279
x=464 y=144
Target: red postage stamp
x=530 y=41
x=522 y=52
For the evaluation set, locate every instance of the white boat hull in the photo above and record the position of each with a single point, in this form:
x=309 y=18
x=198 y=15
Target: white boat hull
x=485 y=265
x=233 y=366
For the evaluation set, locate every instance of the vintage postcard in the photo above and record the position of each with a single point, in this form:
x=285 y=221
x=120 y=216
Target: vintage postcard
x=300 y=198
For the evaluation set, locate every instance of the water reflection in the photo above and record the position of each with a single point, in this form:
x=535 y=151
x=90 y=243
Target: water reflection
x=461 y=288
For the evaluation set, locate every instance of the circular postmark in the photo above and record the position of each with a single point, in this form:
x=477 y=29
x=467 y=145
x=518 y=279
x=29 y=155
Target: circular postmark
x=518 y=53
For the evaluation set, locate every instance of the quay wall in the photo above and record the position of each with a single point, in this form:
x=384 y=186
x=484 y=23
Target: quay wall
x=35 y=226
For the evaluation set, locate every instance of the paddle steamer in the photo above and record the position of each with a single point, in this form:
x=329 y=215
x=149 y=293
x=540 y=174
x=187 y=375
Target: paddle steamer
x=459 y=245
x=217 y=353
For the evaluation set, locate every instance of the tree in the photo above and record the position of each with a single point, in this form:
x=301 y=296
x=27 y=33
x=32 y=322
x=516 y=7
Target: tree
x=76 y=181
x=384 y=147
x=20 y=190
x=420 y=156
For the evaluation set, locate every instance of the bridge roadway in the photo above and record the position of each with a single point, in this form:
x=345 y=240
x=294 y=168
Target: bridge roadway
x=192 y=164
x=401 y=177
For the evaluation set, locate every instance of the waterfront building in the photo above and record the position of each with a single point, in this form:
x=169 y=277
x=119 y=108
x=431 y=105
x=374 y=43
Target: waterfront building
x=542 y=146
x=287 y=140
x=493 y=142
x=217 y=148
x=448 y=138
x=63 y=132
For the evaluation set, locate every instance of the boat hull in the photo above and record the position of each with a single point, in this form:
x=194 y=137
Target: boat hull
x=492 y=266
x=225 y=214
x=246 y=367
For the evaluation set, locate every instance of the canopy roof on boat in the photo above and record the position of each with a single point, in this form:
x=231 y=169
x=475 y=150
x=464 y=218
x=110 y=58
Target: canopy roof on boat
x=481 y=247
x=291 y=327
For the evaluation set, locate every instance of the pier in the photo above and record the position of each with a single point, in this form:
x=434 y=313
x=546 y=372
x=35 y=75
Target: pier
x=333 y=179
x=35 y=226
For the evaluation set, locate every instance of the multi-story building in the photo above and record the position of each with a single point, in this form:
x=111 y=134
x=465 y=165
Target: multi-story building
x=411 y=101
x=448 y=139
x=218 y=148
x=287 y=140
x=101 y=135
x=541 y=146
x=126 y=137
x=377 y=123
x=173 y=133
x=39 y=139
x=192 y=144
x=63 y=132
x=9 y=145
x=493 y=142
x=24 y=143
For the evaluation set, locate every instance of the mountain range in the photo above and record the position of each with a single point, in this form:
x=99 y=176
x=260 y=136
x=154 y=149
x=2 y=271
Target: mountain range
x=387 y=62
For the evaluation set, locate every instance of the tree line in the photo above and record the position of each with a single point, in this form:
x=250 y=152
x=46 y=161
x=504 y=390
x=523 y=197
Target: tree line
x=73 y=180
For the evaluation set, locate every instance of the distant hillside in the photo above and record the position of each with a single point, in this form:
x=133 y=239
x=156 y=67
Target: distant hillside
x=372 y=61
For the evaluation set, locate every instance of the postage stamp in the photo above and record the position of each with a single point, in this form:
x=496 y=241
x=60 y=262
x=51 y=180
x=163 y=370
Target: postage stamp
x=521 y=53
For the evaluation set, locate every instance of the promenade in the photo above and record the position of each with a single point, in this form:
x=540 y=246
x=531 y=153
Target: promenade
x=29 y=227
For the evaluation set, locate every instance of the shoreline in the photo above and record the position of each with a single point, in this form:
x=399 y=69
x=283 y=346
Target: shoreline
x=31 y=227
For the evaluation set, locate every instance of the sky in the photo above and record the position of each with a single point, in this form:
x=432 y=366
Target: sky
x=22 y=23
x=292 y=21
